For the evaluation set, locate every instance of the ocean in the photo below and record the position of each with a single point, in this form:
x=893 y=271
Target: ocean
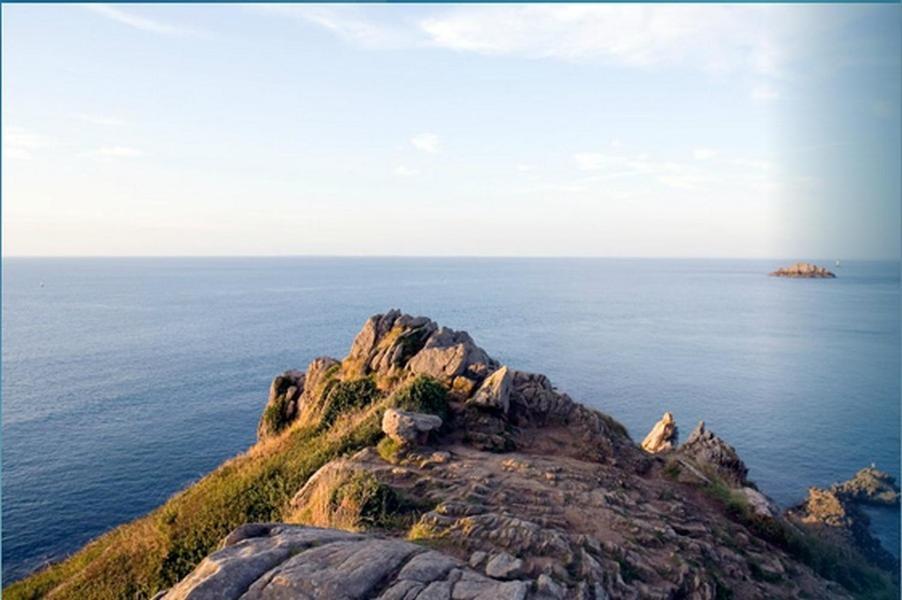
x=124 y=380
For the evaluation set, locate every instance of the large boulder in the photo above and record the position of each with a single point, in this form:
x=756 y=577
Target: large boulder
x=662 y=437
x=495 y=391
x=715 y=455
x=409 y=428
x=448 y=354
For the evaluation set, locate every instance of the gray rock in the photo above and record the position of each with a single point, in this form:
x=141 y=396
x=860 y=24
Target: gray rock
x=447 y=354
x=477 y=558
x=495 y=391
x=503 y=566
x=546 y=587
x=283 y=404
x=266 y=561
x=409 y=428
x=705 y=448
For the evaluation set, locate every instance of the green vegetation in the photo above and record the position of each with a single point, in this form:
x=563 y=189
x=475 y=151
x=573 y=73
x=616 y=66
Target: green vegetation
x=152 y=553
x=424 y=395
x=390 y=450
x=842 y=564
x=375 y=505
x=343 y=396
x=274 y=417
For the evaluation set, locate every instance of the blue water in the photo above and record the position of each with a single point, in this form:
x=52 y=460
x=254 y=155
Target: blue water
x=126 y=379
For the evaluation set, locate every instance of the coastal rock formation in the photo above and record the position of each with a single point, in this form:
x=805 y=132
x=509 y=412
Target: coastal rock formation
x=662 y=437
x=870 y=486
x=716 y=455
x=436 y=472
x=804 y=271
x=283 y=403
x=836 y=512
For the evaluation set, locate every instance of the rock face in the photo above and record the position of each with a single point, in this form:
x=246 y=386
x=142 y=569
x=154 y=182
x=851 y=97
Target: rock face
x=804 y=271
x=409 y=428
x=836 y=512
x=516 y=491
x=870 y=486
x=261 y=561
x=708 y=450
x=283 y=404
x=662 y=437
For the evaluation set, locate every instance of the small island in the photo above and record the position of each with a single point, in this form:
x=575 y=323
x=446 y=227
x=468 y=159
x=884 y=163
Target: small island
x=804 y=271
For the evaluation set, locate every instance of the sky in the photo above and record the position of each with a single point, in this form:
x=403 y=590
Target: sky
x=437 y=130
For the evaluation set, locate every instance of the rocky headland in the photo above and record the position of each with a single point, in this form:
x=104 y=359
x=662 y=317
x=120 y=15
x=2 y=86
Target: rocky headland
x=418 y=467
x=804 y=271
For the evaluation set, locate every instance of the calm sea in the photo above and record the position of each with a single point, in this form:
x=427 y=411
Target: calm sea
x=126 y=379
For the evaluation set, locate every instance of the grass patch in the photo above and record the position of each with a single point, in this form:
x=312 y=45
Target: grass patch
x=424 y=395
x=390 y=450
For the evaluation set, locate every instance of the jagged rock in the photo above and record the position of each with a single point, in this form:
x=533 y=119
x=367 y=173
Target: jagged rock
x=409 y=428
x=282 y=407
x=662 y=437
x=448 y=354
x=503 y=566
x=870 y=486
x=709 y=451
x=804 y=271
x=495 y=391
x=282 y=561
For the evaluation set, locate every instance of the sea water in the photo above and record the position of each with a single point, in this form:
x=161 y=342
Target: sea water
x=124 y=380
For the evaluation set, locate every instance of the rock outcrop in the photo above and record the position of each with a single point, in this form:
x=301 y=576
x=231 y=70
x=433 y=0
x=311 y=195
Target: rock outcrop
x=662 y=437
x=716 y=455
x=284 y=561
x=870 y=486
x=835 y=512
x=504 y=488
x=409 y=428
x=804 y=271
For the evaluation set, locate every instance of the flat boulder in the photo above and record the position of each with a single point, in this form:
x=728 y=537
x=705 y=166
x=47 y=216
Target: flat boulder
x=409 y=428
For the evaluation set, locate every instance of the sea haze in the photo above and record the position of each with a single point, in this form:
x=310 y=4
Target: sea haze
x=124 y=380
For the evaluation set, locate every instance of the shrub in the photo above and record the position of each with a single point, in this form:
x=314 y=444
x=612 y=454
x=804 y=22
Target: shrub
x=343 y=396
x=423 y=394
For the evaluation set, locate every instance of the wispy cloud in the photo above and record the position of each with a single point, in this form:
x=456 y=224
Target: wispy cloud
x=715 y=38
x=20 y=144
x=426 y=142
x=703 y=153
x=139 y=22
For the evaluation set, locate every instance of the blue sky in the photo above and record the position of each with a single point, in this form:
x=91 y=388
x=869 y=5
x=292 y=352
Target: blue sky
x=549 y=130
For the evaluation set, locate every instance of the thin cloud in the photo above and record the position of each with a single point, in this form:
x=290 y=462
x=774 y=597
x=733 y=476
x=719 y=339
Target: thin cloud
x=21 y=144
x=426 y=142
x=139 y=22
x=703 y=153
